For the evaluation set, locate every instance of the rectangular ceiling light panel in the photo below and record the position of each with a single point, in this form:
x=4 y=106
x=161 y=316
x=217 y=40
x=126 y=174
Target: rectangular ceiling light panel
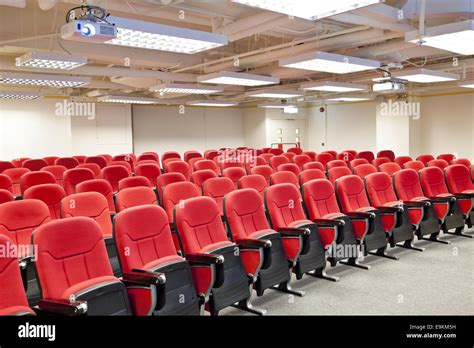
x=19 y=95
x=331 y=86
x=466 y=84
x=212 y=103
x=425 y=76
x=128 y=99
x=48 y=60
x=237 y=78
x=308 y=9
x=58 y=81
x=185 y=88
x=454 y=37
x=268 y=93
x=135 y=33
x=329 y=62
x=348 y=99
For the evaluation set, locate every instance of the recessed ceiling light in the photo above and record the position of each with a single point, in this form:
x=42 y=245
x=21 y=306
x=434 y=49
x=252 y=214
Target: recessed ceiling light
x=212 y=103
x=49 y=80
x=425 y=76
x=128 y=99
x=348 y=99
x=135 y=33
x=310 y=9
x=331 y=86
x=328 y=62
x=454 y=37
x=48 y=60
x=466 y=84
x=237 y=78
x=19 y=95
x=268 y=93
x=185 y=88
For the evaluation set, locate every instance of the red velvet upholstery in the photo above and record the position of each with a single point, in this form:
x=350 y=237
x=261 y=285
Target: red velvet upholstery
x=217 y=188
x=265 y=171
x=389 y=168
x=57 y=171
x=266 y=157
x=380 y=190
x=149 y=171
x=364 y=169
x=314 y=165
x=35 y=178
x=351 y=194
x=5 y=165
x=335 y=164
x=134 y=196
x=358 y=161
x=113 y=174
x=283 y=202
x=133 y=181
x=68 y=162
x=210 y=154
x=50 y=194
x=448 y=157
x=415 y=165
x=324 y=158
x=6 y=183
x=200 y=176
x=310 y=154
x=310 y=174
x=276 y=161
x=34 y=164
x=300 y=160
x=290 y=167
x=284 y=177
x=129 y=158
x=107 y=157
x=169 y=154
x=295 y=150
x=91 y=166
x=175 y=193
x=425 y=158
x=101 y=186
x=193 y=160
x=191 y=154
x=401 y=160
x=166 y=179
x=345 y=156
x=254 y=161
x=179 y=167
x=407 y=185
x=463 y=161
x=75 y=176
x=15 y=175
x=276 y=152
x=440 y=163
x=50 y=160
x=433 y=183
x=459 y=181
x=99 y=160
x=253 y=181
x=148 y=157
x=207 y=164
x=5 y=196
x=338 y=172
x=124 y=164
x=289 y=155
x=386 y=153
x=234 y=174
x=380 y=160
x=368 y=155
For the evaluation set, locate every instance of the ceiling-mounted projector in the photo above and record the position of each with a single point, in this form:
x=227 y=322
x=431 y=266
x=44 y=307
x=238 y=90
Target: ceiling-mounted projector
x=88 y=31
x=388 y=84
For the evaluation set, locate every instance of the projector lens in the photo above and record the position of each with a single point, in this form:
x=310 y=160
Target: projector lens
x=88 y=30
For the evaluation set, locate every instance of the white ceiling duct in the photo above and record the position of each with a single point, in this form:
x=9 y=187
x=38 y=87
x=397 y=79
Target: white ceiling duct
x=46 y=5
x=13 y=3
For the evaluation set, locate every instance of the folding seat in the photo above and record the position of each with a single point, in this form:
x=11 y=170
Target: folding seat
x=289 y=155
x=149 y=171
x=311 y=155
x=324 y=158
x=284 y=178
x=295 y=150
x=167 y=179
x=277 y=161
x=134 y=196
x=5 y=196
x=265 y=171
x=459 y=181
x=4 y=165
x=34 y=164
x=276 y=152
x=448 y=157
x=217 y=188
x=91 y=166
x=147 y=157
x=193 y=160
x=381 y=194
x=386 y=153
x=50 y=160
x=179 y=167
x=310 y=174
x=440 y=163
x=200 y=176
x=99 y=160
x=266 y=157
x=368 y=155
x=335 y=164
x=145 y=243
x=168 y=155
x=50 y=194
x=133 y=181
x=80 y=158
x=68 y=162
x=113 y=174
x=155 y=155
x=107 y=157
x=210 y=154
x=345 y=156
x=357 y=162
x=290 y=167
x=338 y=172
x=401 y=160
x=332 y=153
x=231 y=163
x=353 y=200
x=425 y=158
x=72 y=177
x=234 y=174
x=15 y=175
x=101 y=186
x=126 y=158
x=434 y=186
x=462 y=161
x=389 y=168
x=121 y=163
x=300 y=160
x=35 y=178
x=314 y=165
x=415 y=165
x=57 y=171
x=253 y=181
x=380 y=160
x=6 y=183
x=202 y=233
x=18 y=162
x=407 y=186
x=81 y=271
x=191 y=154
x=364 y=169
x=251 y=162
x=207 y=164
x=145 y=162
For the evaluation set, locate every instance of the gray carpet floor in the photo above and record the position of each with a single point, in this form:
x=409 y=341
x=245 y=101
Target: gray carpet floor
x=438 y=281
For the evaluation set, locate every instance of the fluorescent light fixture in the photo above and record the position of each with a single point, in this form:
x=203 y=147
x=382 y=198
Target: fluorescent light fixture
x=269 y=93
x=127 y=99
x=212 y=103
x=331 y=86
x=59 y=81
x=185 y=88
x=466 y=84
x=348 y=99
x=425 y=76
x=454 y=37
x=48 y=60
x=19 y=95
x=328 y=62
x=135 y=33
x=274 y=106
x=308 y=9
x=291 y=109
x=237 y=78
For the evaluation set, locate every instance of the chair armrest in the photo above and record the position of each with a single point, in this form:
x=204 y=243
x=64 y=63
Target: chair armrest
x=294 y=231
x=61 y=307
x=329 y=223
x=464 y=195
x=417 y=204
x=389 y=210
x=360 y=215
x=142 y=277
x=254 y=243
x=207 y=259
x=442 y=199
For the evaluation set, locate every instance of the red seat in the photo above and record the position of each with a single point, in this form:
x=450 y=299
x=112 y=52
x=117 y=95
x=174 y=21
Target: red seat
x=265 y=171
x=113 y=174
x=401 y=160
x=357 y=162
x=338 y=172
x=251 y=162
x=324 y=158
x=191 y=154
x=380 y=160
x=425 y=158
x=202 y=232
x=149 y=171
x=179 y=167
x=289 y=155
x=207 y=164
x=253 y=181
x=210 y=154
x=68 y=162
x=386 y=153
x=80 y=158
x=314 y=165
x=266 y=157
x=290 y=167
x=18 y=162
x=231 y=163
x=440 y=163
x=415 y=165
x=6 y=196
x=75 y=176
x=448 y=157
x=35 y=178
x=5 y=165
x=390 y=168
x=301 y=160
x=217 y=188
x=168 y=155
x=310 y=154
x=57 y=171
x=34 y=164
x=332 y=153
x=166 y=179
x=276 y=152
x=295 y=150
x=6 y=183
x=364 y=169
x=335 y=164
x=200 y=176
x=15 y=175
x=107 y=157
x=124 y=164
x=310 y=174
x=345 y=156
x=276 y=161
x=149 y=157
x=91 y=166
x=134 y=196
x=133 y=181
x=128 y=158
x=460 y=184
x=99 y=160
x=50 y=194
x=234 y=174
x=284 y=178
x=368 y=155
x=101 y=186
x=50 y=160
x=463 y=161
x=144 y=238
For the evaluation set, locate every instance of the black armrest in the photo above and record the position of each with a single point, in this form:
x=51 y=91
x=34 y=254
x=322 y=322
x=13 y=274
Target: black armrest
x=417 y=204
x=442 y=199
x=329 y=223
x=360 y=215
x=142 y=277
x=464 y=195
x=294 y=231
x=207 y=259
x=62 y=307
x=254 y=243
x=24 y=261
x=389 y=210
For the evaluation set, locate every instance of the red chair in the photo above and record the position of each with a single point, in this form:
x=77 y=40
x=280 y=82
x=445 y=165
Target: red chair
x=276 y=152
x=368 y=155
x=34 y=164
x=149 y=157
x=253 y=181
x=6 y=196
x=462 y=161
x=207 y=164
x=295 y=150
x=191 y=154
x=73 y=177
x=6 y=183
x=100 y=186
x=4 y=165
x=415 y=165
x=425 y=158
x=251 y=162
x=50 y=160
x=107 y=157
x=18 y=162
x=266 y=157
x=149 y=171
x=265 y=171
x=57 y=171
x=234 y=174
x=310 y=174
x=448 y=157
x=35 y=178
x=169 y=154
x=401 y=160
x=167 y=179
x=314 y=165
x=68 y=162
x=290 y=167
x=389 y=168
x=332 y=153
x=460 y=184
x=91 y=166
x=113 y=174
x=386 y=153
x=346 y=157
x=200 y=176
x=301 y=160
x=335 y=164
x=134 y=197
x=338 y=172
x=289 y=155
x=324 y=158
x=210 y=154
x=193 y=160
x=217 y=188
x=284 y=178
x=380 y=160
x=80 y=158
x=276 y=161
x=364 y=169
x=128 y=158
x=310 y=154
x=133 y=181
x=440 y=163
x=50 y=194
x=357 y=162
x=15 y=175
x=99 y=160
x=124 y=164
x=179 y=167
